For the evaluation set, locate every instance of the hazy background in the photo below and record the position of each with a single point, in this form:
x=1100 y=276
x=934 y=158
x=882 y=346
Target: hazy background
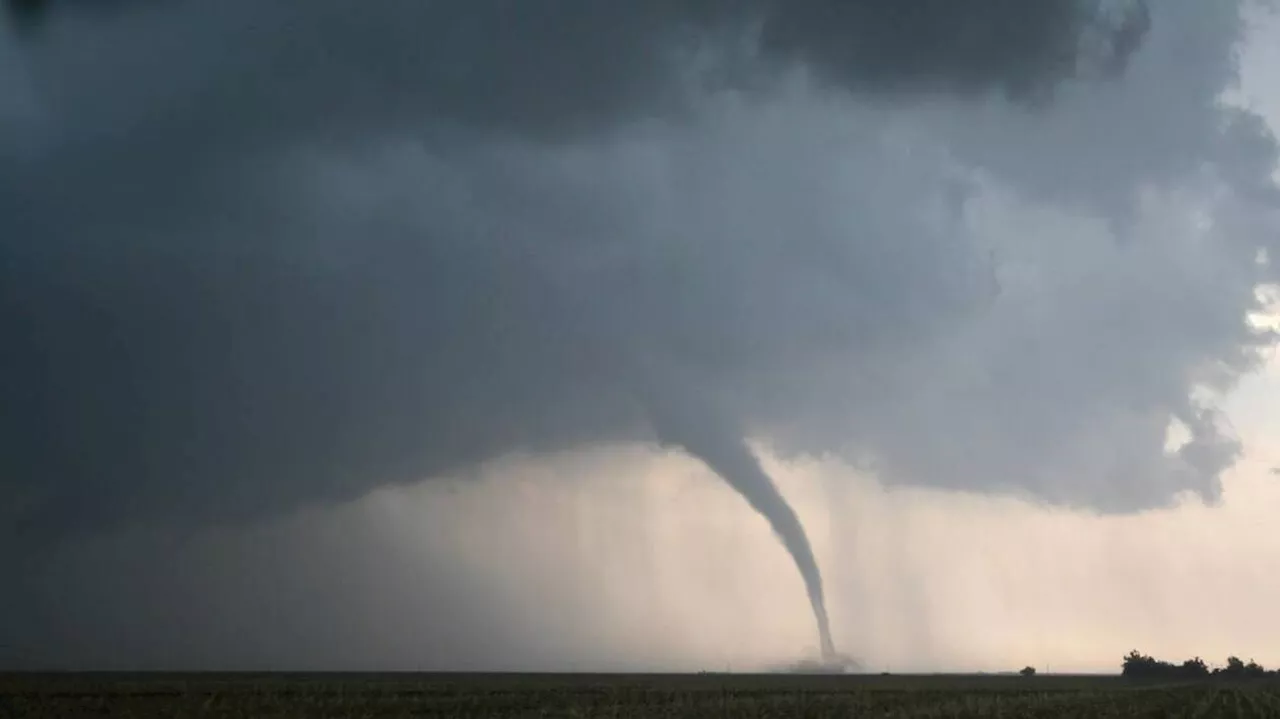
x=620 y=555
x=647 y=562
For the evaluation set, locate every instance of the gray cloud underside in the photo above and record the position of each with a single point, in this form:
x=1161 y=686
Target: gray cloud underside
x=376 y=247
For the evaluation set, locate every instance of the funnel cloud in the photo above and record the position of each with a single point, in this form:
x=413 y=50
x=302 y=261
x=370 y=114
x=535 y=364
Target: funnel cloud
x=695 y=427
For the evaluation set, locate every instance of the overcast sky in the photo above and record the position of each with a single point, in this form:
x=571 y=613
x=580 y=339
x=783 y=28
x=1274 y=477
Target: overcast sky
x=448 y=336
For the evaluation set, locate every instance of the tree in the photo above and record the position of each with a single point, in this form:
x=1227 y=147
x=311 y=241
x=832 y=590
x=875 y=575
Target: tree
x=1235 y=667
x=1140 y=666
x=1028 y=671
x=1195 y=668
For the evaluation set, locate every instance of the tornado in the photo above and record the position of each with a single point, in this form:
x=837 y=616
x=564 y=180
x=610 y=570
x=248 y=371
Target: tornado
x=735 y=463
x=724 y=450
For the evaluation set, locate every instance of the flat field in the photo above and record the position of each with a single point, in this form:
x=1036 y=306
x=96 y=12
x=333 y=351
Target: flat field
x=69 y=696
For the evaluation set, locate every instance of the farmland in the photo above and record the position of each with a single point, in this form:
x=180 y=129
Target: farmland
x=68 y=696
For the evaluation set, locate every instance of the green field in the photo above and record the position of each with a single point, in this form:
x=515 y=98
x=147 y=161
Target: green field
x=70 y=696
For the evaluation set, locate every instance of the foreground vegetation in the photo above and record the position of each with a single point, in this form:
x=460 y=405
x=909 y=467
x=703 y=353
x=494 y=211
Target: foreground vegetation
x=491 y=696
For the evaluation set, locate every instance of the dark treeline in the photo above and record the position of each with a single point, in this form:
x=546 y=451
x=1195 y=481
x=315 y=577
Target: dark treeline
x=1141 y=666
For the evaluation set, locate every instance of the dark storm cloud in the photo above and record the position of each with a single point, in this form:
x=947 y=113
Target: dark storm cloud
x=191 y=334
x=507 y=65
x=236 y=281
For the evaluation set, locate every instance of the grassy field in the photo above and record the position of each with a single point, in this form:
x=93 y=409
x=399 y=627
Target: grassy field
x=442 y=695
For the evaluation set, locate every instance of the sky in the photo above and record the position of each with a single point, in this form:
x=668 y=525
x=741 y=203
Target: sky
x=374 y=346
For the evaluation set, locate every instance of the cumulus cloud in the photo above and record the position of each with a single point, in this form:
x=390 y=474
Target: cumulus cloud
x=502 y=65
x=376 y=247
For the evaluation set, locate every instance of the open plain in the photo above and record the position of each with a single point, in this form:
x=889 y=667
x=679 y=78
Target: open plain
x=490 y=696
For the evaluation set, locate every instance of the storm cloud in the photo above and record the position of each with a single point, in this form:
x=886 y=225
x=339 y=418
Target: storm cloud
x=990 y=246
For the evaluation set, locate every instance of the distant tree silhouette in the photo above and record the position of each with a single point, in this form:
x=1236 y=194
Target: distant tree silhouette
x=1238 y=669
x=1194 y=668
x=1141 y=666
x=1028 y=671
x=1235 y=667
